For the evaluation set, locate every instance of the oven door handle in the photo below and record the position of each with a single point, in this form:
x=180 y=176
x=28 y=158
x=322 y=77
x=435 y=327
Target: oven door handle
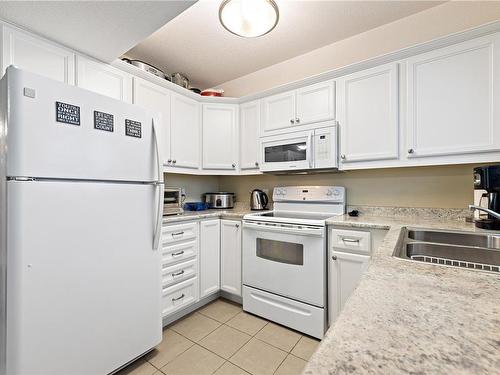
x=285 y=228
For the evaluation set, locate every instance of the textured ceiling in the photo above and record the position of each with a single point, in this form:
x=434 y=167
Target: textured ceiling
x=103 y=29
x=196 y=44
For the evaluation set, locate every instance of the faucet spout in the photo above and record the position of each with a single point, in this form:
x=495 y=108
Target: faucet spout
x=473 y=207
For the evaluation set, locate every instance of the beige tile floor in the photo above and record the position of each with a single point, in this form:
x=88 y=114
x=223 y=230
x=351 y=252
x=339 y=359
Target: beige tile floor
x=222 y=339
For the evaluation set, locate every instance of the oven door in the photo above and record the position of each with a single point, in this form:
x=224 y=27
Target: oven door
x=287 y=152
x=285 y=259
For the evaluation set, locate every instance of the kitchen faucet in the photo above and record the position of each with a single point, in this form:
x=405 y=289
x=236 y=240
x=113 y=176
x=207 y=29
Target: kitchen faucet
x=473 y=207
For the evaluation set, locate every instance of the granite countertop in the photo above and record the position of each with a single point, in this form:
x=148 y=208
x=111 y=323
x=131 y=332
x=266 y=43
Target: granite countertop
x=234 y=213
x=411 y=317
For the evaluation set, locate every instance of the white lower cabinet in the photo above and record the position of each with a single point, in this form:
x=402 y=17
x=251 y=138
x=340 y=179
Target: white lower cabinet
x=349 y=254
x=179 y=272
x=179 y=266
x=198 y=259
x=230 y=263
x=345 y=271
x=179 y=296
x=209 y=257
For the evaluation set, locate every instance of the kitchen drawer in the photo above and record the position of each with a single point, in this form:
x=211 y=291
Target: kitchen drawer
x=179 y=296
x=178 y=252
x=179 y=232
x=179 y=272
x=288 y=312
x=351 y=240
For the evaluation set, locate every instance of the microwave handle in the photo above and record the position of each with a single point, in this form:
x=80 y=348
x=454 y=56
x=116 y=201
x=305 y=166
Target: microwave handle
x=309 y=150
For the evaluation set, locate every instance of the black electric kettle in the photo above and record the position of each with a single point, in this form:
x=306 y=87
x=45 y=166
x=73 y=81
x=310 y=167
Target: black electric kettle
x=258 y=200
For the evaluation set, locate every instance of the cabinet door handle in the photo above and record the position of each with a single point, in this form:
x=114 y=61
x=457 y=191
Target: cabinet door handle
x=342 y=156
x=297 y=120
x=233 y=165
x=174 y=161
x=237 y=225
x=178 y=298
x=177 y=234
x=334 y=257
x=411 y=151
x=169 y=161
x=351 y=240
x=178 y=273
x=256 y=163
x=292 y=121
x=178 y=253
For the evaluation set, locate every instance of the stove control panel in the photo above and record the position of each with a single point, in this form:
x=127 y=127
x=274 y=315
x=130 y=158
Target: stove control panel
x=333 y=194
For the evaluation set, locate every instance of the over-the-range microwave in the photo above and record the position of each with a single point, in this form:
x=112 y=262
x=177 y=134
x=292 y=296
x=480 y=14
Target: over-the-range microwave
x=300 y=151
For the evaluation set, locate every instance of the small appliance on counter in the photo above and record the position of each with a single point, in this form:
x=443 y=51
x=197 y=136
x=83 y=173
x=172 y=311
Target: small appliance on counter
x=258 y=200
x=220 y=199
x=172 y=201
x=488 y=179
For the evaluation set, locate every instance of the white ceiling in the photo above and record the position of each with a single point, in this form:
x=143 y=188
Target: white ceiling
x=196 y=44
x=103 y=29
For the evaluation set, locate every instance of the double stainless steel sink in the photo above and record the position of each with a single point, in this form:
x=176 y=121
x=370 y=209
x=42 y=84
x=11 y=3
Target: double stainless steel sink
x=479 y=251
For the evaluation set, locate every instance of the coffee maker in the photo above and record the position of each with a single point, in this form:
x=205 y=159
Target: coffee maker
x=488 y=179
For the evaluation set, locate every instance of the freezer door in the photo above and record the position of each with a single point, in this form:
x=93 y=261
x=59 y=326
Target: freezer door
x=83 y=280
x=61 y=131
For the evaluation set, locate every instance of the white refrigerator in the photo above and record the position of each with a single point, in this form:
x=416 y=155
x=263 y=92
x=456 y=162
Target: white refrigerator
x=81 y=208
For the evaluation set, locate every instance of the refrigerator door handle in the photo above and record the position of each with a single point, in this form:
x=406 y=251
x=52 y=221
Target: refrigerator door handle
x=159 y=189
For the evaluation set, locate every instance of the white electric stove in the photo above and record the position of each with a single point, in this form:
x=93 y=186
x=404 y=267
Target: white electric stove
x=284 y=257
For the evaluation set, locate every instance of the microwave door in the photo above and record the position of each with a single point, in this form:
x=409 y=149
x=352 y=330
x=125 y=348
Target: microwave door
x=289 y=153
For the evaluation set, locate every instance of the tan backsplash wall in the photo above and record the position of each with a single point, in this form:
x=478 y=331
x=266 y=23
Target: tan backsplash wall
x=442 y=187
x=194 y=186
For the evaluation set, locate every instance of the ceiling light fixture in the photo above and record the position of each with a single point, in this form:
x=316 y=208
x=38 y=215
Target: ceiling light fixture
x=249 y=18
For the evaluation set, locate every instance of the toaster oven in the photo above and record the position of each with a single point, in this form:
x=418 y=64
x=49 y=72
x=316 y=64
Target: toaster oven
x=172 y=201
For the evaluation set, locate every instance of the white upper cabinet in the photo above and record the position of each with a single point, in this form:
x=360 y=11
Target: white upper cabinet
x=367 y=113
x=220 y=136
x=37 y=56
x=103 y=79
x=249 y=135
x=185 y=132
x=304 y=106
x=230 y=256
x=453 y=100
x=278 y=111
x=156 y=99
x=315 y=103
x=209 y=257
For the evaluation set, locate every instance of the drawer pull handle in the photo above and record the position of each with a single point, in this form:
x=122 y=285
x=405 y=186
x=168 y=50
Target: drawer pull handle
x=178 y=298
x=351 y=240
x=177 y=273
x=178 y=234
x=178 y=253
